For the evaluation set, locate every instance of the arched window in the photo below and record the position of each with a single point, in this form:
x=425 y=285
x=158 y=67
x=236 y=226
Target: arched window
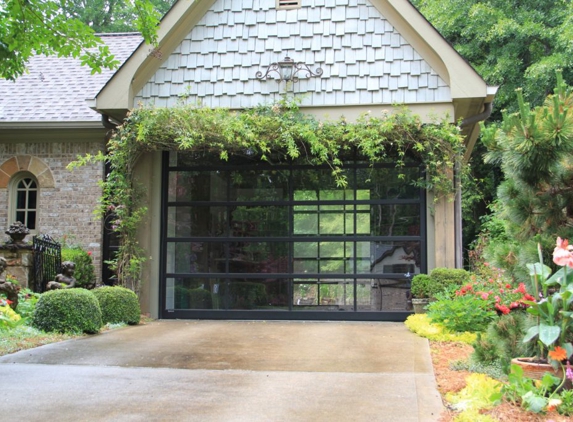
x=24 y=192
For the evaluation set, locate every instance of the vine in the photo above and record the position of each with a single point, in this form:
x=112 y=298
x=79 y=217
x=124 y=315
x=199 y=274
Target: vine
x=276 y=133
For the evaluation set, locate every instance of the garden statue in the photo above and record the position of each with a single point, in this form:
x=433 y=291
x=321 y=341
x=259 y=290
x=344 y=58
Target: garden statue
x=17 y=232
x=7 y=287
x=65 y=280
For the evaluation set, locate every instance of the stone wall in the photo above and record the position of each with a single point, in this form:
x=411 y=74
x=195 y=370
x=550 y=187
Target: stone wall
x=20 y=264
x=65 y=211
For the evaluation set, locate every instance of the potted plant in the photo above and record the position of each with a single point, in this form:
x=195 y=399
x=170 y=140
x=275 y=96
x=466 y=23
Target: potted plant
x=553 y=331
x=422 y=289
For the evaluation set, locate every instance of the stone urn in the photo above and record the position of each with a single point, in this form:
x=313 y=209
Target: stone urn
x=420 y=304
x=17 y=232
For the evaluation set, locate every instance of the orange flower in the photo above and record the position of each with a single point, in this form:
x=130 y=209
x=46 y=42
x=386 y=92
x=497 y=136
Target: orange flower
x=558 y=354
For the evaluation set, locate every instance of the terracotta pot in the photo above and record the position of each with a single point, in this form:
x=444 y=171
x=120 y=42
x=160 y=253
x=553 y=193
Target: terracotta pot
x=536 y=370
x=419 y=305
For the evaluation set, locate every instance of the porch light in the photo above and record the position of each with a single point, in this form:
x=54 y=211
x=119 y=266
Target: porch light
x=287 y=70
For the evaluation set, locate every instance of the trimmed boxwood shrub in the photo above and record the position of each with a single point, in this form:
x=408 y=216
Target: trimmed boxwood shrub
x=118 y=305
x=85 y=273
x=68 y=311
x=449 y=278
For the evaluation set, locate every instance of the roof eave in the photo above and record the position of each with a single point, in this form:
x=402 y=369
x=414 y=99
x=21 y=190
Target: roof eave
x=34 y=124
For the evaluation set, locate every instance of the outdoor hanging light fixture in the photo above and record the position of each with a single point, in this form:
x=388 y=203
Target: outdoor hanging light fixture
x=287 y=70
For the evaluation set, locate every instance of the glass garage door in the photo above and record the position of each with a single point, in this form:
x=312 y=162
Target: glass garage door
x=246 y=239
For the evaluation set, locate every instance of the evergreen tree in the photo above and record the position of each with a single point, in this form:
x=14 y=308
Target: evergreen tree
x=534 y=148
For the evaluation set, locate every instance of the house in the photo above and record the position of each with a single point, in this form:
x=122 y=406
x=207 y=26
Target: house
x=242 y=239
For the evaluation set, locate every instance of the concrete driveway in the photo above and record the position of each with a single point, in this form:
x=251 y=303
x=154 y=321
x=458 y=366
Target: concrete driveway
x=226 y=371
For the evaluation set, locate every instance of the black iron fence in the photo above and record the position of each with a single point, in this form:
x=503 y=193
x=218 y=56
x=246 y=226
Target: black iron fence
x=47 y=261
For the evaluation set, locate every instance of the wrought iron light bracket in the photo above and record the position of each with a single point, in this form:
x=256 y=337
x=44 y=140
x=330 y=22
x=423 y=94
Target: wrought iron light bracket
x=287 y=69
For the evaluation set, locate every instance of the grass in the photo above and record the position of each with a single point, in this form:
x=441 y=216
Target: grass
x=24 y=337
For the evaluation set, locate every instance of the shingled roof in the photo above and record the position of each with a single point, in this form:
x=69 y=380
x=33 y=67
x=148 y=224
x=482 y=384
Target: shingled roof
x=55 y=89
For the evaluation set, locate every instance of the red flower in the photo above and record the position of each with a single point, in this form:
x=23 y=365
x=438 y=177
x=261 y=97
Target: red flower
x=502 y=308
x=521 y=289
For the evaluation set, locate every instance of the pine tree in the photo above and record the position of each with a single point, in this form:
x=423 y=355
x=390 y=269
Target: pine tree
x=534 y=148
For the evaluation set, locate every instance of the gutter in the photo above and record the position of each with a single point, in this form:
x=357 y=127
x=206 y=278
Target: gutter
x=34 y=124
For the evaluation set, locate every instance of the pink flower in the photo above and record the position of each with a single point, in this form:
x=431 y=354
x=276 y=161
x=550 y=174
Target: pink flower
x=569 y=372
x=484 y=296
x=562 y=253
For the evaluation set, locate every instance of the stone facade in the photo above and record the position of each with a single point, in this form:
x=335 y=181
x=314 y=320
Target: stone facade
x=65 y=211
x=20 y=264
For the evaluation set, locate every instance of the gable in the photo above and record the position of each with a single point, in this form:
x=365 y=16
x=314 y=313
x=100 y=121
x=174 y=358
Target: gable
x=156 y=75
x=364 y=58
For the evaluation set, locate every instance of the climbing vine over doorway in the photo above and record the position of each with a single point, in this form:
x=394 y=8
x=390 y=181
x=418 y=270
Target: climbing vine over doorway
x=274 y=133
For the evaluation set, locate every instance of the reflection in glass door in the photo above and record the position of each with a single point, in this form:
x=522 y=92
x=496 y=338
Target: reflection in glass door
x=250 y=236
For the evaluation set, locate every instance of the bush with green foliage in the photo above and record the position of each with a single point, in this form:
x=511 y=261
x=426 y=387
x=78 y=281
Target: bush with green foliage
x=84 y=273
x=422 y=326
x=461 y=313
x=534 y=148
x=503 y=340
x=118 y=305
x=68 y=311
x=27 y=300
x=422 y=286
x=449 y=278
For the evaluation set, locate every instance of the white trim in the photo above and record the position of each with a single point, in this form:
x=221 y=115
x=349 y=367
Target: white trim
x=13 y=198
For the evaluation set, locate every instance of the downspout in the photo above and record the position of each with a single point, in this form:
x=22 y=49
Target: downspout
x=469 y=121
x=107 y=123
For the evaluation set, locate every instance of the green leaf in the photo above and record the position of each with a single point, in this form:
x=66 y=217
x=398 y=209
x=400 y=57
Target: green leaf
x=533 y=402
x=531 y=333
x=548 y=334
x=540 y=270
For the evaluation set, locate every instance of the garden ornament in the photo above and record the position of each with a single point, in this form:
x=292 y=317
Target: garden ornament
x=65 y=280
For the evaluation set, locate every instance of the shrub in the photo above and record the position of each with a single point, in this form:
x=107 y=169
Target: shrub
x=422 y=326
x=27 y=300
x=503 y=340
x=85 y=273
x=422 y=286
x=449 y=278
x=462 y=313
x=68 y=311
x=118 y=304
